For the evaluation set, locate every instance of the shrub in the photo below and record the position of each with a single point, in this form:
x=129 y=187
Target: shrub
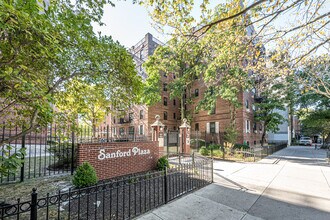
x=196 y=143
x=218 y=153
x=84 y=176
x=204 y=151
x=213 y=147
x=241 y=146
x=63 y=153
x=162 y=162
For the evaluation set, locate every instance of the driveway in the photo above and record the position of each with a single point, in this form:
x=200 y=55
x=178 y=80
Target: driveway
x=293 y=183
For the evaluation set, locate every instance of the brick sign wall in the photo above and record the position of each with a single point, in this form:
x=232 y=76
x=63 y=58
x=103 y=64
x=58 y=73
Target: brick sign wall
x=118 y=159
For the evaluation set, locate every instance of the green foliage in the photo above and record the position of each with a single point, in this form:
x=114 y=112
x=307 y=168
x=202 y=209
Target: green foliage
x=231 y=135
x=45 y=52
x=181 y=58
x=63 y=153
x=84 y=176
x=317 y=122
x=162 y=163
x=218 y=153
x=241 y=146
x=213 y=147
x=204 y=151
x=10 y=162
x=196 y=143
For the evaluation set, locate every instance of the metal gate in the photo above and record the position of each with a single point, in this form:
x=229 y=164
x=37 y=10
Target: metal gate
x=172 y=141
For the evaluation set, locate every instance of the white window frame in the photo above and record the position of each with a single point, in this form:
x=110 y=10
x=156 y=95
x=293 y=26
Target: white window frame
x=247 y=126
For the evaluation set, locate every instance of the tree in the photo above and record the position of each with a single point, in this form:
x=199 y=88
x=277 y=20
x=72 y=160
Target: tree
x=183 y=61
x=315 y=75
x=267 y=113
x=318 y=122
x=219 y=58
x=304 y=33
x=45 y=48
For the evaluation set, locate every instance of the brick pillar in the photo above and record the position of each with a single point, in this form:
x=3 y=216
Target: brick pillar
x=185 y=137
x=158 y=131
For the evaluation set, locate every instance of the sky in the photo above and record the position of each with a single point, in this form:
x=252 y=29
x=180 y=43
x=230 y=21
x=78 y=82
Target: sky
x=127 y=23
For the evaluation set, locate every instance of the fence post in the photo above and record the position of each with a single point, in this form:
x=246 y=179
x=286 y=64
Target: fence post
x=212 y=170
x=34 y=204
x=72 y=153
x=107 y=133
x=193 y=158
x=23 y=164
x=165 y=185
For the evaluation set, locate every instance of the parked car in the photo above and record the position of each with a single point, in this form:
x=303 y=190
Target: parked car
x=305 y=141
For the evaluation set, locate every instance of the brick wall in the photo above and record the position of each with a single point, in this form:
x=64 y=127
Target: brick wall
x=119 y=166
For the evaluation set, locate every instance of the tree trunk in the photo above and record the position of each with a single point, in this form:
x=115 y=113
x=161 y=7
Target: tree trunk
x=182 y=110
x=263 y=138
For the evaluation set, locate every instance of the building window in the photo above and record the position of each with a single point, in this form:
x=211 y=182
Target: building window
x=121 y=131
x=114 y=120
x=197 y=127
x=130 y=117
x=174 y=115
x=165 y=115
x=174 y=128
x=141 y=130
x=247 y=126
x=255 y=142
x=174 y=76
x=247 y=104
x=114 y=131
x=165 y=75
x=174 y=102
x=212 y=127
x=164 y=87
x=121 y=120
x=254 y=126
x=260 y=127
x=131 y=130
x=196 y=92
x=165 y=101
x=141 y=114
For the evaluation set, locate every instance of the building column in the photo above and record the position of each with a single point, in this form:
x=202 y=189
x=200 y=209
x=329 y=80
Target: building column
x=185 y=137
x=158 y=131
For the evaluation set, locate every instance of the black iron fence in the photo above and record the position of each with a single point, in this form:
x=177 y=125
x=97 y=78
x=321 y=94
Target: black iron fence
x=247 y=155
x=52 y=150
x=118 y=199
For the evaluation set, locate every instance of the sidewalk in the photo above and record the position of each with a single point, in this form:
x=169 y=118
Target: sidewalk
x=293 y=183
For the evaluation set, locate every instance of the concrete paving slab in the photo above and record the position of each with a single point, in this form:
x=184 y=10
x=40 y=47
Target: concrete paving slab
x=194 y=207
x=229 y=197
x=294 y=183
x=250 y=217
x=268 y=208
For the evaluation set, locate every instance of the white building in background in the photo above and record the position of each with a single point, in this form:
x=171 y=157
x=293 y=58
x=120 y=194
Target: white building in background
x=284 y=133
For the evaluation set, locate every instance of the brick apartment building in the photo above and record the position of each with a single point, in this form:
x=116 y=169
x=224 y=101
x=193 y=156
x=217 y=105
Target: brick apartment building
x=137 y=120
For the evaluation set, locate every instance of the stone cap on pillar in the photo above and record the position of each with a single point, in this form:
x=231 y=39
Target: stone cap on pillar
x=185 y=124
x=157 y=123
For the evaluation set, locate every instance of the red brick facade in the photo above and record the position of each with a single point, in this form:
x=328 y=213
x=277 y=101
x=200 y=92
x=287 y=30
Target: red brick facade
x=200 y=121
x=125 y=160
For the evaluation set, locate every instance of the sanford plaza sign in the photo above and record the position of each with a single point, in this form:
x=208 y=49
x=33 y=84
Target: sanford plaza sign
x=135 y=151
